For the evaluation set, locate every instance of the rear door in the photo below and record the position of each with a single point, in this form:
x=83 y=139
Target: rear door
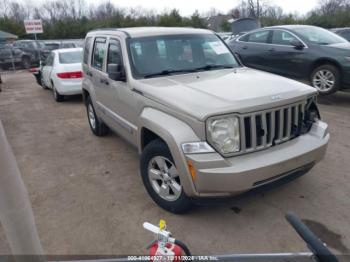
x=97 y=72
x=251 y=48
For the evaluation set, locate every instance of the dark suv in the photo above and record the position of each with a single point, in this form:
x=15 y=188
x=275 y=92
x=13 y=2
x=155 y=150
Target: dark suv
x=298 y=51
x=11 y=56
x=36 y=48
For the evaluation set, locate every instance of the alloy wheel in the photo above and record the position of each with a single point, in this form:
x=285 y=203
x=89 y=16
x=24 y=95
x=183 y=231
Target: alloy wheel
x=323 y=80
x=164 y=178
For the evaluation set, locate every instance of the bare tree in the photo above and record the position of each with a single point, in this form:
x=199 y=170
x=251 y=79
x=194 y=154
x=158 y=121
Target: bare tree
x=329 y=7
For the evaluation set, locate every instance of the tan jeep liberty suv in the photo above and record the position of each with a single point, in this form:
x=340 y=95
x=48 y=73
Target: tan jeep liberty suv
x=204 y=124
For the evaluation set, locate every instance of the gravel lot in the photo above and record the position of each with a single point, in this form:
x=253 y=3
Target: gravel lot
x=88 y=197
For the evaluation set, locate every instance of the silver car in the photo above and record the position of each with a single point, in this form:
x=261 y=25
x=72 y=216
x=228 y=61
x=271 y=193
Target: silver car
x=204 y=125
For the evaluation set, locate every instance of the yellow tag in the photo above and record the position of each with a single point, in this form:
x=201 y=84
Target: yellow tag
x=162 y=224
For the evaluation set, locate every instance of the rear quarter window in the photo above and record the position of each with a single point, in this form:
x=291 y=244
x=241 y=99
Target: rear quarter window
x=87 y=48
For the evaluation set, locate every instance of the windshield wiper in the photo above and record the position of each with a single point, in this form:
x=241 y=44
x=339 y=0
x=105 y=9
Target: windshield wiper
x=173 y=71
x=167 y=72
x=210 y=67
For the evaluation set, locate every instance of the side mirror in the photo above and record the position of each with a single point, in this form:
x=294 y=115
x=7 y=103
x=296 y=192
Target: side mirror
x=297 y=44
x=116 y=72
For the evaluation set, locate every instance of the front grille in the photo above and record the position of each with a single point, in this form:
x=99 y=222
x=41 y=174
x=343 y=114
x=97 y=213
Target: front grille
x=263 y=129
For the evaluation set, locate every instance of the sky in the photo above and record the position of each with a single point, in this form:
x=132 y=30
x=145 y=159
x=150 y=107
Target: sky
x=187 y=7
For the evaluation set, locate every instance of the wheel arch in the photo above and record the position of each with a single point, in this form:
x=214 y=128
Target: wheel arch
x=155 y=124
x=325 y=61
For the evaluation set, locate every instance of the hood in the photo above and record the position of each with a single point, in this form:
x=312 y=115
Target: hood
x=344 y=46
x=217 y=92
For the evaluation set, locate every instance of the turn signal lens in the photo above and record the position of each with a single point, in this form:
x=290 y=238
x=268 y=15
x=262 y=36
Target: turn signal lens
x=192 y=170
x=68 y=75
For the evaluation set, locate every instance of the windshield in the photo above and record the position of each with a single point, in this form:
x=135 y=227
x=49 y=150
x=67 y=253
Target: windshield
x=178 y=54
x=319 y=36
x=71 y=57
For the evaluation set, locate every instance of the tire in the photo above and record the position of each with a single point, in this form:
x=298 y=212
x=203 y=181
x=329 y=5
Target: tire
x=326 y=79
x=42 y=83
x=174 y=201
x=25 y=62
x=58 y=98
x=98 y=128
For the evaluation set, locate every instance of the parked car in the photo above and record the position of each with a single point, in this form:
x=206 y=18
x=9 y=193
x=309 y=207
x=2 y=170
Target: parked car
x=62 y=72
x=343 y=32
x=204 y=125
x=52 y=45
x=298 y=51
x=36 y=48
x=11 y=56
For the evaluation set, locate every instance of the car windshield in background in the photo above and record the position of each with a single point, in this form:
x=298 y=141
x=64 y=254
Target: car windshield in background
x=178 y=54
x=319 y=36
x=71 y=57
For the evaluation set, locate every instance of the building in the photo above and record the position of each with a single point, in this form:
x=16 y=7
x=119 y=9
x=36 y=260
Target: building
x=7 y=37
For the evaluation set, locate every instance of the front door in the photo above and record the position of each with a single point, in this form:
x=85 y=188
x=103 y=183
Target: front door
x=121 y=101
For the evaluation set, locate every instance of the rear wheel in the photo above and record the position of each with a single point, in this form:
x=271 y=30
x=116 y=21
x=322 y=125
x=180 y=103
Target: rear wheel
x=57 y=96
x=98 y=128
x=161 y=178
x=42 y=82
x=326 y=79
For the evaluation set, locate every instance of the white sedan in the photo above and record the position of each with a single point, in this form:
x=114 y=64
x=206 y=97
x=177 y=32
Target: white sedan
x=62 y=72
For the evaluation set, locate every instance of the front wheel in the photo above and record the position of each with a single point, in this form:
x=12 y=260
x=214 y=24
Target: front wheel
x=161 y=178
x=326 y=79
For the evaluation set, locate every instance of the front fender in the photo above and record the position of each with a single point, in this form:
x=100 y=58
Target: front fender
x=174 y=132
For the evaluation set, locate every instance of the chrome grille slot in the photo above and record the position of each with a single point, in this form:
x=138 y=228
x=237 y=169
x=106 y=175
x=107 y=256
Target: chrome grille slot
x=263 y=129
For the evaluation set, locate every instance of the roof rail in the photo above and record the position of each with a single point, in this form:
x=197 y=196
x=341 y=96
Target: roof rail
x=110 y=28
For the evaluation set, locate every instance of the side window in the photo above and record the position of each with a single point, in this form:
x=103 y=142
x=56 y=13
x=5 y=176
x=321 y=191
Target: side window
x=87 y=50
x=98 y=53
x=114 y=52
x=280 y=37
x=258 y=37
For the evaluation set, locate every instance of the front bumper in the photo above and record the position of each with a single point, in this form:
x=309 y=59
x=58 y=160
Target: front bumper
x=218 y=176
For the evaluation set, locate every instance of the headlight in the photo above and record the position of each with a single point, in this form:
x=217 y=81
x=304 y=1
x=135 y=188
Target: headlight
x=223 y=134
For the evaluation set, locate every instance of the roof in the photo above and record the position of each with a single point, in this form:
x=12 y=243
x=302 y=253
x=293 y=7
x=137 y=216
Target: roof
x=65 y=50
x=340 y=29
x=154 y=31
x=291 y=27
x=5 y=35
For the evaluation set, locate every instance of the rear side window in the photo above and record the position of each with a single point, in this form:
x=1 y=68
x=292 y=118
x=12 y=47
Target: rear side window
x=87 y=49
x=256 y=37
x=98 y=53
x=70 y=57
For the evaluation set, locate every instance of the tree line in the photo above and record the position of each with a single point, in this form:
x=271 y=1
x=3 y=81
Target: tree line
x=64 y=19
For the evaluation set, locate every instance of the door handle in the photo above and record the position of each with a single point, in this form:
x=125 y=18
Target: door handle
x=272 y=50
x=89 y=73
x=244 y=47
x=104 y=81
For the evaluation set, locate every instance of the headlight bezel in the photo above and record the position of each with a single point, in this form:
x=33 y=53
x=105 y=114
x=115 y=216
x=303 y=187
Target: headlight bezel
x=213 y=144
